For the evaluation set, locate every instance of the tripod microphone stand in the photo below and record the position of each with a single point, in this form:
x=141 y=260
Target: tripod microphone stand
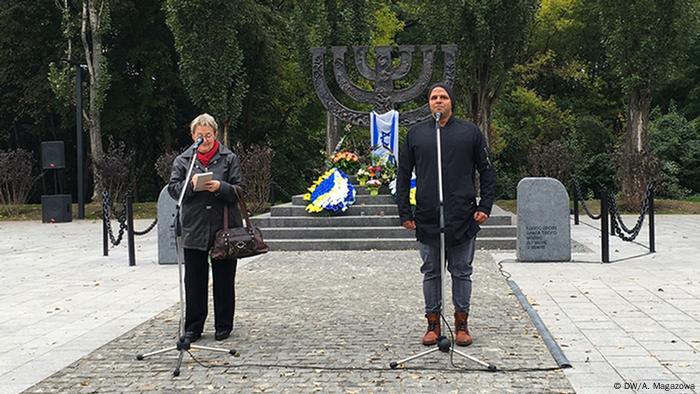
x=183 y=343
x=444 y=344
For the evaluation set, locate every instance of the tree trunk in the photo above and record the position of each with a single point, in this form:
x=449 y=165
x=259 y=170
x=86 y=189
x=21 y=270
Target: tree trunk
x=635 y=163
x=482 y=100
x=481 y=114
x=90 y=23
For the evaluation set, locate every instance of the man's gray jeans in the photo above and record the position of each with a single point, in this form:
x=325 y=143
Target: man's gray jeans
x=459 y=264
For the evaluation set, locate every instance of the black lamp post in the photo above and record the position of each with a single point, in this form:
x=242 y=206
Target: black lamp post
x=79 y=137
x=79 y=133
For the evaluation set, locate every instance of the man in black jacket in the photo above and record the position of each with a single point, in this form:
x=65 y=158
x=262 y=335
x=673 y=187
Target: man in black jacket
x=464 y=151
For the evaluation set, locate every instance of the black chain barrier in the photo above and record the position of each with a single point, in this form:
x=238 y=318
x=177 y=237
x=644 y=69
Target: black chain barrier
x=618 y=226
x=610 y=214
x=106 y=217
x=148 y=229
x=579 y=196
x=126 y=223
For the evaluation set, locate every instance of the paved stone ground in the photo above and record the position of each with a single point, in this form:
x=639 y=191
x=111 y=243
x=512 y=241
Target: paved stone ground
x=61 y=299
x=330 y=322
x=633 y=322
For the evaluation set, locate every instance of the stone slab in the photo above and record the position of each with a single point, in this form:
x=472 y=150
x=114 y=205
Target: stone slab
x=544 y=231
x=167 y=248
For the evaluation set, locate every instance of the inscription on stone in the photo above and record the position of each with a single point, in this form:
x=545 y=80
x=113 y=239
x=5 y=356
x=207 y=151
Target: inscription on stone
x=544 y=230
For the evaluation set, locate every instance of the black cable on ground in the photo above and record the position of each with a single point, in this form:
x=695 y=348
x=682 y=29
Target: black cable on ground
x=322 y=368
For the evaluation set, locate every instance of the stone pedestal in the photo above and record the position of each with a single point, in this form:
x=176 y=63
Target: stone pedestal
x=167 y=250
x=544 y=228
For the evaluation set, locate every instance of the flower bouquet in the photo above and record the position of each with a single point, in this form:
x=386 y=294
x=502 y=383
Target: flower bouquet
x=345 y=161
x=387 y=173
x=362 y=176
x=375 y=172
x=373 y=186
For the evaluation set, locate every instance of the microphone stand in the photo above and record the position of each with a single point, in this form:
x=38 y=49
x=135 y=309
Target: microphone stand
x=183 y=344
x=444 y=343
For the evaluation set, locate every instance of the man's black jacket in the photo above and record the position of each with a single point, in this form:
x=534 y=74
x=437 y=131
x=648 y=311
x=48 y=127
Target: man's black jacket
x=464 y=151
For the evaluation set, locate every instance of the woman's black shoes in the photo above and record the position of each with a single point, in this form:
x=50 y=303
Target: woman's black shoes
x=192 y=336
x=221 y=335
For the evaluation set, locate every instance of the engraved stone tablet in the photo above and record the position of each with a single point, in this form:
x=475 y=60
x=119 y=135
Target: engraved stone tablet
x=167 y=252
x=544 y=229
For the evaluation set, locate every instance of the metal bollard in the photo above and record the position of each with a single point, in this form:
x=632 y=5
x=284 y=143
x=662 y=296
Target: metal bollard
x=575 y=208
x=605 y=246
x=105 y=235
x=652 y=236
x=130 y=229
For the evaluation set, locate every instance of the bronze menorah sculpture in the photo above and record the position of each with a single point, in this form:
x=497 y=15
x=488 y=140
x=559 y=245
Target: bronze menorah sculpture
x=384 y=97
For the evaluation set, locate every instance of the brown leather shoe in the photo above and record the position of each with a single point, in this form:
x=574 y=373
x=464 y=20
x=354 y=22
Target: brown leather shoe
x=462 y=336
x=431 y=336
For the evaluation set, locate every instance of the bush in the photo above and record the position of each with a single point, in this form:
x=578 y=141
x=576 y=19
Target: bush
x=506 y=184
x=595 y=172
x=676 y=143
x=553 y=160
x=16 y=178
x=668 y=184
x=116 y=170
x=164 y=165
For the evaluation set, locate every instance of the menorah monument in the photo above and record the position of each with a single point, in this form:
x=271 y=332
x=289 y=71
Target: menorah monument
x=385 y=96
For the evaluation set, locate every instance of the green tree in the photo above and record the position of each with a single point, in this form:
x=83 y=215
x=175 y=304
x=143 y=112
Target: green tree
x=683 y=87
x=29 y=40
x=676 y=142
x=492 y=36
x=566 y=61
x=523 y=121
x=148 y=107
x=211 y=60
x=89 y=20
x=644 y=40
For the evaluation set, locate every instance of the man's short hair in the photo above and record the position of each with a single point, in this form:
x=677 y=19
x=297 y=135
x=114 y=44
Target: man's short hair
x=204 y=120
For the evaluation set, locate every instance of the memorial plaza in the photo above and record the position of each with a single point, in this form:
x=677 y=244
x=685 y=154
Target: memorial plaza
x=333 y=321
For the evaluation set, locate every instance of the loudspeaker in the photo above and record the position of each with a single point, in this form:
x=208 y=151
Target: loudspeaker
x=52 y=155
x=56 y=208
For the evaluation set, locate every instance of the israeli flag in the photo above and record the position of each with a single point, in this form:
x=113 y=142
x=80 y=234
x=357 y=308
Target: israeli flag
x=384 y=129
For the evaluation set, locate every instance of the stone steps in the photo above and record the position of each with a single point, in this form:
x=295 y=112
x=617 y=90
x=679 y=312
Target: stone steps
x=354 y=210
x=267 y=221
x=372 y=223
x=377 y=232
x=373 y=244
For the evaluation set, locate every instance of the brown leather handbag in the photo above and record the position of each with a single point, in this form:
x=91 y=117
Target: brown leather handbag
x=238 y=242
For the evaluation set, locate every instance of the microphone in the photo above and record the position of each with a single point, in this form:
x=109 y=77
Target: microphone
x=437 y=116
x=199 y=141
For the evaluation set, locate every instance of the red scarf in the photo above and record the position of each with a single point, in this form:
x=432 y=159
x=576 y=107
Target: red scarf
x=204 y=158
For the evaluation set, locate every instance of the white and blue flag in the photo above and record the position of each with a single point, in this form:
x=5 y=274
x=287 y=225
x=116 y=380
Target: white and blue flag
x=384 y=129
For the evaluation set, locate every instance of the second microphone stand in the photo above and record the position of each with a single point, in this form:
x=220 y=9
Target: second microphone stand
x=183 y=344
x=444 y=343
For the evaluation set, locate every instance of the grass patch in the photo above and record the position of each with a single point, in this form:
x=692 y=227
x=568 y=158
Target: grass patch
x=147 y=210
x=93 y=211
x=662 y=207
